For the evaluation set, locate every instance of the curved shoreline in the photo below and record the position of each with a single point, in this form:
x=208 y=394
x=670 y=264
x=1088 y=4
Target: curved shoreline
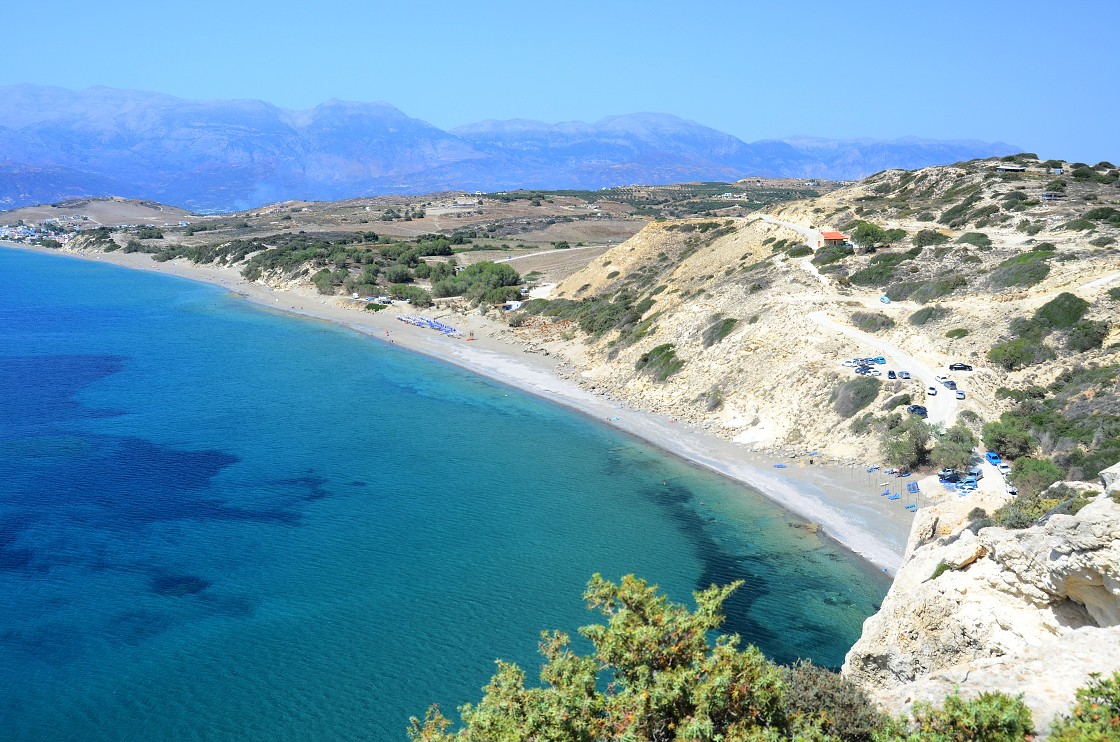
x=842 y=500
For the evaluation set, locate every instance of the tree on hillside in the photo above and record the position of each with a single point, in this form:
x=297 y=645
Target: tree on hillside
x=954 y=449
x=905 y=442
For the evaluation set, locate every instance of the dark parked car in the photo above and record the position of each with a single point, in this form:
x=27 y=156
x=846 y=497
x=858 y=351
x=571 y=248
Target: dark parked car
x=892 y=375
x=917 y=409
x=959 y=367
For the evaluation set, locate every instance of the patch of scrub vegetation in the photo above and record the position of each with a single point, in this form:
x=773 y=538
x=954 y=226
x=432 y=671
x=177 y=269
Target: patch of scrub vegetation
x=957 y=333
x=1074 y=423
x=831 y=254
x=928 y=237
x=925 y=315
x=979 y=239
x=925 y=291
x=660 y=362
x=1037 y=499
x=880 y=270
x=668 y=682
x=872 y=321
x=718 y=330
x=596 y=316
x=853 y=395
x=1025 y=269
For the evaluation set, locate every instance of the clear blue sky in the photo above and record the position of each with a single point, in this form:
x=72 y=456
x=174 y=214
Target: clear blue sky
x=1041 y=75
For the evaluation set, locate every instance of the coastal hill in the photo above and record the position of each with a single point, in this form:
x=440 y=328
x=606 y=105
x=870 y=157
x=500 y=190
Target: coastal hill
x=733 y=307
x=229 y=155
x=740 y=325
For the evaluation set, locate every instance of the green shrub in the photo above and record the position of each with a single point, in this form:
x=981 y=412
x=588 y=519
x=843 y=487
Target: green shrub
x=1032 y=475
x=928 y=314
x=927 y=237
x=660 y=362
x=1079 y=225
x=1087 y=335
x=1019 y=353
x=991 y=717
x=841 y=708
x=831 y=254
x=979 y=239
x=398 y=274
x=1010 y=436
x=800 y=251
x=852 y=396
x=897 y=401
x=1025 y=269
x=872 y=321
x=613 y=274
x=1102 y=241
x=1104 y=214
x=1095 y=716
x=957 y=333
x=718 y=330
x=1062 y=312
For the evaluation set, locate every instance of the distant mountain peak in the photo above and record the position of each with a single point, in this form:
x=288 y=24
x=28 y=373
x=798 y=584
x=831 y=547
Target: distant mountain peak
x=229 y=154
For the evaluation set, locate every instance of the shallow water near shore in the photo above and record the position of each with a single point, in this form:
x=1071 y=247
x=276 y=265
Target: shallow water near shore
x=218 y=521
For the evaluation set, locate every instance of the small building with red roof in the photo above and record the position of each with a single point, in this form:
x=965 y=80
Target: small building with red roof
x=833 y=238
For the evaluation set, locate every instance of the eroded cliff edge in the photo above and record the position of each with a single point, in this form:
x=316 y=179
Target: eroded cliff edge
x=1032 y=611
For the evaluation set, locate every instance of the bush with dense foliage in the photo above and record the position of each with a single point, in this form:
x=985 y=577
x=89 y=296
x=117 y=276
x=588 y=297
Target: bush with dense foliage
x=928 y=314
x=905 y=440
x=484 y=282
x=979 y=239
x=853 y=395
x=1025 y=269
x=1026 y=509
x=653 y=675
x=927 y=237
x=872 y=321
x=1062 y=312
x=1095 y=716
x=954 y=448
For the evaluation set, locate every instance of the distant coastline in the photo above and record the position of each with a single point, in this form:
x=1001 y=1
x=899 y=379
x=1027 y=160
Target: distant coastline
x=842 y=500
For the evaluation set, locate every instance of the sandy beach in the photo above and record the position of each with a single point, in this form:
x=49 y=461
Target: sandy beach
x=843 y=499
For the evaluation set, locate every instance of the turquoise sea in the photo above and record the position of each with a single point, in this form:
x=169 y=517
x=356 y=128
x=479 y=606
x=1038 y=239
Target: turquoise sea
x=220 y=522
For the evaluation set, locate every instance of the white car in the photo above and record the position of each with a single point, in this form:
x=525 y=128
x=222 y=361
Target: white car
x=960 y=394
x=931 y=391
x=1004 y=469
x=849 y=364
x=904 y=374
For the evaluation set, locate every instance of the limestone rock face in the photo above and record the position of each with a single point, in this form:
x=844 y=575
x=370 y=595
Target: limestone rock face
x=1110 y=478
x=1001 y=600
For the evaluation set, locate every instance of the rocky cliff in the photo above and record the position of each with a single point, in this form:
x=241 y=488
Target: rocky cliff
x=1031 y=611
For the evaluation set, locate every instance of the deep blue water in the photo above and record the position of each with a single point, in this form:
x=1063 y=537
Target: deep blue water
x=218 y=522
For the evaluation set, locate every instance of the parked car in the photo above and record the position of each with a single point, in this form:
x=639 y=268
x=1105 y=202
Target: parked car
x=904 y=374
x=885 y=299
x=951 y=478
x=950 y=385
x=849 y=363
x=1012 y=491
x=976 y=472
x=993 y=458
x=931 y=391
x=946 y=472
x=875 y=372
x=969 y=481
x=1004 y=469
x=960 y=394
x=880 y=360
x=892 y=375
x=959 y=367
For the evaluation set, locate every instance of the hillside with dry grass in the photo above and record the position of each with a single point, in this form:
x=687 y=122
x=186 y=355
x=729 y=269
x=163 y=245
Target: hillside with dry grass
x=740 y=325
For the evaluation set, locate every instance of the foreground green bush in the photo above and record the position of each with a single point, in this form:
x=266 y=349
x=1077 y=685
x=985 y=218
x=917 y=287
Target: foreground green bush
x=653 y=675
x=1096 y=715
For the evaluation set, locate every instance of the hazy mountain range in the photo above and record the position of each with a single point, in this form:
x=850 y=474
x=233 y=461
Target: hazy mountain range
x=229 y=154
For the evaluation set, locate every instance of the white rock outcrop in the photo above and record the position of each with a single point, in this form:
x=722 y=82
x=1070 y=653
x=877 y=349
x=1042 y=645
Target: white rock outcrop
x=1002 y=602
